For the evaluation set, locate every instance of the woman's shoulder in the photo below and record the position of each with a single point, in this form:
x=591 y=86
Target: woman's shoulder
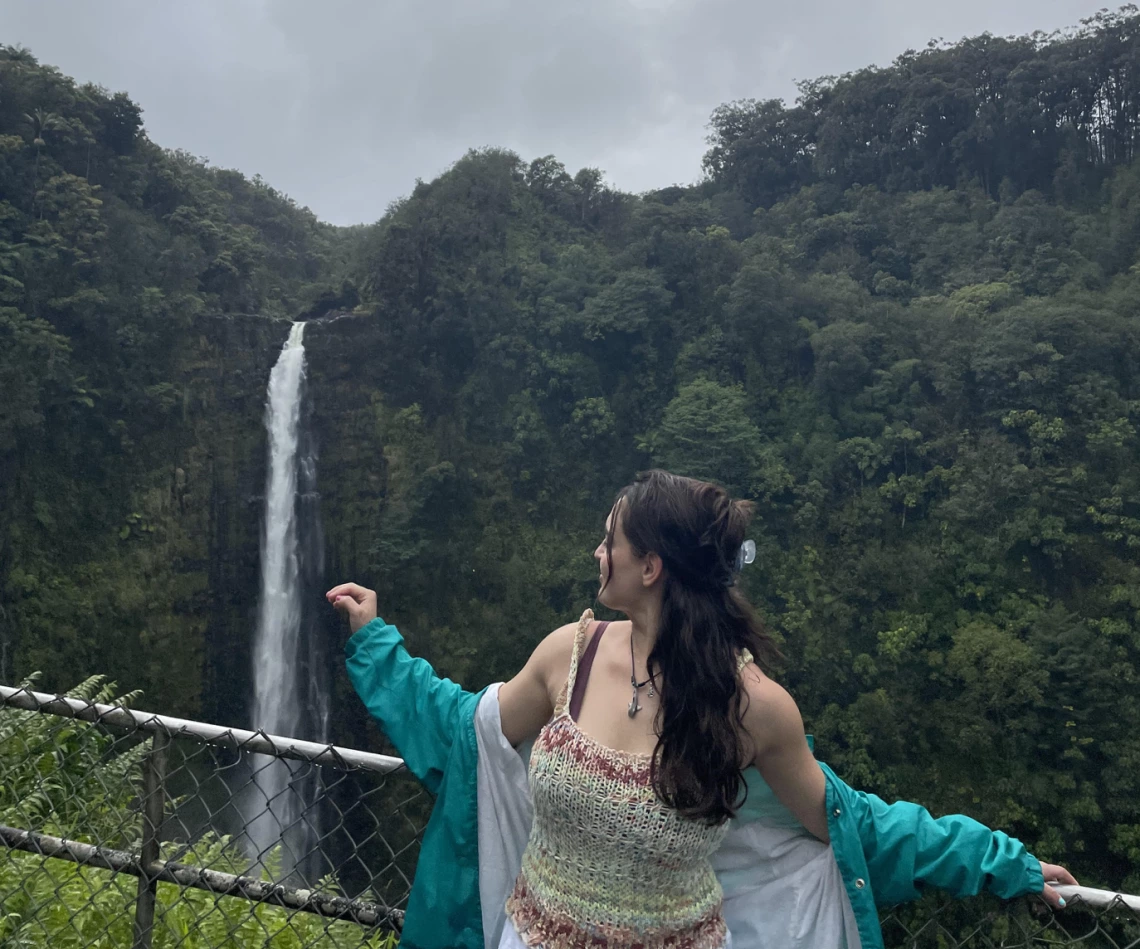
x=557 y=646
x=766 y=697
x=568 y=632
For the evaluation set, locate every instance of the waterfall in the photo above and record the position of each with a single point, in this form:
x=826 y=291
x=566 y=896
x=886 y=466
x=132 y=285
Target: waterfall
x=290 y=696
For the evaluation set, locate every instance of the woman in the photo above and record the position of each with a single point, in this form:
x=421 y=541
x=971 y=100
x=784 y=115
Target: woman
x=644 y=730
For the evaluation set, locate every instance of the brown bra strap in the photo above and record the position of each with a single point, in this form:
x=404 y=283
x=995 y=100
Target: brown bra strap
x=585 y=661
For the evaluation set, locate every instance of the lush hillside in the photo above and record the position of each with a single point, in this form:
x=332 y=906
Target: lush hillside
x=901 y=314
x=123 y=268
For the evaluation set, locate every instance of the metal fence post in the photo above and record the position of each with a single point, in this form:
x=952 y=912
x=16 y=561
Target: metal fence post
x=153 y=811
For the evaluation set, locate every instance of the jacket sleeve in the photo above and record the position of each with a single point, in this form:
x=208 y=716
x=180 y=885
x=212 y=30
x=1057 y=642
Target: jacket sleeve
x=420 y=712
x=907 y=849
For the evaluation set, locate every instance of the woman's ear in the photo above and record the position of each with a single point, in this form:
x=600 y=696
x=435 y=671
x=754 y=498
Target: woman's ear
x=652 y=569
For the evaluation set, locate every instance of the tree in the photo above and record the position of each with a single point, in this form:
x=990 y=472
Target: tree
x=706 y=433
x=41 y=122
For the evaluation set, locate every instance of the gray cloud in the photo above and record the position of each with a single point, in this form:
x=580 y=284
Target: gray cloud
x=343 y=104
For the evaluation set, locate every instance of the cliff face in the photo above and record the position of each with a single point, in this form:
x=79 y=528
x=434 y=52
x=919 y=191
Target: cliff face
x=158 y=585
x=169 y=555
x=347 y=408
x=131 y=388
x=351 y=478
x=225 y=453
x=176 y=553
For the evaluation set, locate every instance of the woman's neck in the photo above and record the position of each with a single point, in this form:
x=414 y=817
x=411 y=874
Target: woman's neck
x=645 y=621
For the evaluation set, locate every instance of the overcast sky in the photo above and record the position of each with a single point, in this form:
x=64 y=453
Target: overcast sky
x=342 y=104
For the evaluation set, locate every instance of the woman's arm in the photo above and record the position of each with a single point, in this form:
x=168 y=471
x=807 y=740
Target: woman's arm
x=421 y=713
x=782 y=756
x=527 y=701
x=906 y=849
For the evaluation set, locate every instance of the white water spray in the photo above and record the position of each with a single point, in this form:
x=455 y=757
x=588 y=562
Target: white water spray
x=275 y=806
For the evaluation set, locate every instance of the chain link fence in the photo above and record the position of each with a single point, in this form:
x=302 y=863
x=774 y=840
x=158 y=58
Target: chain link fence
x=121 y=828
x=1092 y=919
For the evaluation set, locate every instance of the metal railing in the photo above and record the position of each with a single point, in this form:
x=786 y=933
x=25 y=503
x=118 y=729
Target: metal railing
x=124 y=828
x=233 y=837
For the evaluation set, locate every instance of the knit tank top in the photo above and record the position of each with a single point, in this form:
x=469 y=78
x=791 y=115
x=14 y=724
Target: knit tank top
x=607 y=864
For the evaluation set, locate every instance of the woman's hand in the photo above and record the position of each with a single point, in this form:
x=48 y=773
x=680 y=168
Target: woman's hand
x=355 y=602
x=1055 y=874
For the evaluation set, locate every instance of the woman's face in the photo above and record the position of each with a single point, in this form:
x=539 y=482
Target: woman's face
x=619 y=570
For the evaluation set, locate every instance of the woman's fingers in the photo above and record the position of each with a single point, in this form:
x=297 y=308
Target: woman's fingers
x=354 y=590
x=345 y=604
x=1056 y=874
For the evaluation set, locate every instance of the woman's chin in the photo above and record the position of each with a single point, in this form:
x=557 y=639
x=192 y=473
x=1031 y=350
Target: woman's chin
x=604 y=600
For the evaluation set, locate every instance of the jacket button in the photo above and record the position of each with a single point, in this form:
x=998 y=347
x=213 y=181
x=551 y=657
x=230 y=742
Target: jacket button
x=837 y=812
x=860 y=883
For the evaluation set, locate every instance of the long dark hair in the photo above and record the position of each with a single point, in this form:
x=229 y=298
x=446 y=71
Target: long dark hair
x=696 y=529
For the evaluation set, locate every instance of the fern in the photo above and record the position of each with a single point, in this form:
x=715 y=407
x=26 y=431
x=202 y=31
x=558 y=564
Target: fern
x=79 y=780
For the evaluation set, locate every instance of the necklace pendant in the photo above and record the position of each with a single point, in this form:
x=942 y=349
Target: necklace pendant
x=634 y=707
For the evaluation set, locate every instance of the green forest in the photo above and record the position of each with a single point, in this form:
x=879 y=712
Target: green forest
x=902 y=314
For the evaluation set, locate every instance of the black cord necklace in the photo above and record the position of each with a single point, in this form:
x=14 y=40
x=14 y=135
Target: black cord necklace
x=634 y=705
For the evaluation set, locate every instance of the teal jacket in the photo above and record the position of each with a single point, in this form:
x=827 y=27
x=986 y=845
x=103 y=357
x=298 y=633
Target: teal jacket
x=886 y=852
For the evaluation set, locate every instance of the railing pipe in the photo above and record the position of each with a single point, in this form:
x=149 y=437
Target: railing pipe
x=1097 y=899
x=362 y=912
x=238 y=738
